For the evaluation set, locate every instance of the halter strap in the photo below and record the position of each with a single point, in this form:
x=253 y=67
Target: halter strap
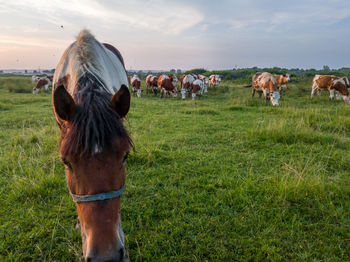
x=97 y=197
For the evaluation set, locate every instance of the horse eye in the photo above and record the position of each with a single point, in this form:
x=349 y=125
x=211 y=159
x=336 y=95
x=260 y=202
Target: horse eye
x=125 y=158
x=67 y=164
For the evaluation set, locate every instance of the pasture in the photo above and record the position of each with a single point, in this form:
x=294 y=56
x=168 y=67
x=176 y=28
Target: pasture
x=224 y=178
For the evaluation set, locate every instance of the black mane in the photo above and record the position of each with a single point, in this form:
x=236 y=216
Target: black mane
x=95 y=124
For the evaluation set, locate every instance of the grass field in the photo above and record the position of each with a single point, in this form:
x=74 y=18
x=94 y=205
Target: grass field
x=224 y=178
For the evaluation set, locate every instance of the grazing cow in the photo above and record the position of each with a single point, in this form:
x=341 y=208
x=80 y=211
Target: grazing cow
x=346 y=80
x=266 y=84
x=35 y=78
x=42 y=82
x=50 y=77
x=151 y=81
x=165 y=85
x=187 y=85
x=333 y=84
x=205 y=79
x=214 y=80
x=90 y=99
x=173 y=79
x=282 y=81
x=182 y=78
x=136 y=85
x=341 y=89
x=194 y=76
x=198 y=86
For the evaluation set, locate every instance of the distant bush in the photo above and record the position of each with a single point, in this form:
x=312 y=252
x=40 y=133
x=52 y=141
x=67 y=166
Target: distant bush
x=16 y=84
x=196 y=71
x=19 y=90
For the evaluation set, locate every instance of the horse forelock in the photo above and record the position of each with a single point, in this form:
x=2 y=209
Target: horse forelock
x=95 y=125
x=87 y=55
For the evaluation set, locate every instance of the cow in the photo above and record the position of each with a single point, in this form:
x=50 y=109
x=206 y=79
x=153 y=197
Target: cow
x=346 y=80
x=333 y=84
x=35 y=78
x=136 y=85
x=194 y=76
x=198 y=86
x=214 y=80
x=182 y=78
x=186 y=85
x=165 y=85
x=173 y=79
x=341 y=89
x=151 y=82
x=266 y=83
x=42 y=82
x=50 y=77
x=204 y=78
x=282 y=81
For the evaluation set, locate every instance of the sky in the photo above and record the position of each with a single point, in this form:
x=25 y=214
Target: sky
x=181 y=34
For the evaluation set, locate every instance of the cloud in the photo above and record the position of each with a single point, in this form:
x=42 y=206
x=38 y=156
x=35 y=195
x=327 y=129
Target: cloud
x=160 y=16
x=183 y=33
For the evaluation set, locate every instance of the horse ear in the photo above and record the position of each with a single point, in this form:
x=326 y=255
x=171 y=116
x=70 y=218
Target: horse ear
x=120 y=101
x=63 y=103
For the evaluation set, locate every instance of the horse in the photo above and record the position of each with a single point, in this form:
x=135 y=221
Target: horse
x=90 y=98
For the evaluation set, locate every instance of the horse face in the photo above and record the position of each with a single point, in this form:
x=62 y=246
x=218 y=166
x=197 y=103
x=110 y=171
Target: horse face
x=100 y=221
x=99 y=172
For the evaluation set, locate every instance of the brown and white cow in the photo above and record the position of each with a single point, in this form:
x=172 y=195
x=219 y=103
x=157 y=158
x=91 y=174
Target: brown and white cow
x=198 y=87
x=282 y=81
x=136 y=85
x=333 y=84
x=173 y=79
x=341 y=89
x=152 y=82
x=346 y=80
x=204 y=78
x=50 y=77
x=187 y=85
x=35 y=78
x=42 y=82
x=194 y=76
x=214 y=80
x=182 y=78
x=165 y=85
x=266 y=83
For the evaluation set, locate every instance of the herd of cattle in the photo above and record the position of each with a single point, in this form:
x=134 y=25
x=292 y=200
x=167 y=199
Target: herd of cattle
x=167 y=84
x=271 y=86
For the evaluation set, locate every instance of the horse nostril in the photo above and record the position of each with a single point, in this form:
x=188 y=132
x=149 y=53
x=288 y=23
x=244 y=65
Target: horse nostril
x=88 y=259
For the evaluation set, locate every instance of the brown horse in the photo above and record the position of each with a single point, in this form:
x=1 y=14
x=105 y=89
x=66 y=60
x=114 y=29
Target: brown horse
x=90 y=98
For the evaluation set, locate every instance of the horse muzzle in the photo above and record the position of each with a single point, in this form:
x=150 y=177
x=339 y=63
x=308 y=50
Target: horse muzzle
x=119 y=254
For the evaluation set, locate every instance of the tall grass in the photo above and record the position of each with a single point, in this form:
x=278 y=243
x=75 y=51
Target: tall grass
x=223 y=178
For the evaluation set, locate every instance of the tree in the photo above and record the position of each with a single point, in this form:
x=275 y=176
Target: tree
x=326 y=68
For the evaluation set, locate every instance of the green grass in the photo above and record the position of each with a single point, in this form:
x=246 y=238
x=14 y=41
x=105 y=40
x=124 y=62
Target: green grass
x=224 y=178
